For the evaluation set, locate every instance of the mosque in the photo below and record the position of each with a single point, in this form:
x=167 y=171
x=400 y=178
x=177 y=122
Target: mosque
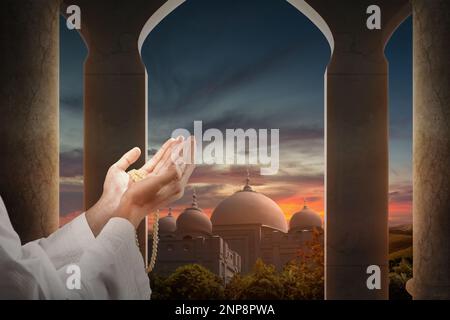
x=244 y=227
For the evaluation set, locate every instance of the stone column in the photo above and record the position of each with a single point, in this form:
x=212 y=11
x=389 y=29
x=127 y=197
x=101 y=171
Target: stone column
x=115 y=116
x=29 y=102
x=356 y=138
x=431 y=155
x=357 y=172
x=115 y=90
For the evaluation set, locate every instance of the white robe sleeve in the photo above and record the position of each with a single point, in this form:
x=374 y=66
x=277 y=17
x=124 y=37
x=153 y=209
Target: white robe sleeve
x=110 y=265
x=113 y=268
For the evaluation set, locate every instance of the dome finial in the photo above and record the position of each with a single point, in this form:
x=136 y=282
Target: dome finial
x=170 y=212
x=247 y=186
x=304 y=203
x=194 y=199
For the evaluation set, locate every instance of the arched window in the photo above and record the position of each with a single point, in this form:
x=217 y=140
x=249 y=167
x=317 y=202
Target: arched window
x=251 y=65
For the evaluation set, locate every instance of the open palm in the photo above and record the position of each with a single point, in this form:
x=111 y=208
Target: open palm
x=117 y=182
x=117 y=179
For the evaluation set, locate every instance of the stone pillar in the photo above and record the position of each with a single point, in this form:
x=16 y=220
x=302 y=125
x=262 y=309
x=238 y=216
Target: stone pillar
x=431 y=155
x=29 y=102
x=356 y=139
x=357 y=172
x=115 y=90
x=115 y=116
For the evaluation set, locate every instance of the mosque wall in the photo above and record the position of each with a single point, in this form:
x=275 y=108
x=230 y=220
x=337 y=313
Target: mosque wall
x=244 y=239
x=212 y=253
x=279 y=248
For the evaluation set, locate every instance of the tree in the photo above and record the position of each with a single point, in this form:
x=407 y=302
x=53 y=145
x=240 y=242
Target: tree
x=159 y=289
x=303 y=278
x=263 y=283
x=236 y=286
x=400 y=273
x=189 y=282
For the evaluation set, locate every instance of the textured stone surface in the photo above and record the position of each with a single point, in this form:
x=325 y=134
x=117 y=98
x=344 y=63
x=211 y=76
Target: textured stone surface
x=356 y=183
x=29 y=99
x=431 y=146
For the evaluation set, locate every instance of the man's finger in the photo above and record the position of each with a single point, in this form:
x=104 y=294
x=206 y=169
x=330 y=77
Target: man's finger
x=128 y=159
x=187 y=173
x=150 y=165
x=175 y=155
x=167 y=157
x=180 y=166
x=157 y=182
x=189 y=150
x=184 y=151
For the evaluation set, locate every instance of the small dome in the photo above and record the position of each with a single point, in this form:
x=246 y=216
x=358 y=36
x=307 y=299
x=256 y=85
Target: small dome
x=168 y=224
x=193 y=221
x=249 y=207
x=306 y=219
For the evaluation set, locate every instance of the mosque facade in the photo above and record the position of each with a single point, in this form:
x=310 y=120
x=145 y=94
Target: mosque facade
x=244 y=227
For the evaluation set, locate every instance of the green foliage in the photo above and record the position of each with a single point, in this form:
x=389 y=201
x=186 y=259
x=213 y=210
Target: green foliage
x=301 y=285
x=160 y=291
x=189 y=282
x=400 y=273
x=262 y=284
x=301 y=279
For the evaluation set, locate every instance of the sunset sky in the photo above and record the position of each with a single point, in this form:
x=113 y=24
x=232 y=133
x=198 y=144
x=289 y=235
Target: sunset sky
x=242 y=64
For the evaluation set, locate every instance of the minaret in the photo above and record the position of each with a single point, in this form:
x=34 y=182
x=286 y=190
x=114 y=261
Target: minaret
x=170 y=212
x=194 y=200
x=193 y=221
x=247 y=186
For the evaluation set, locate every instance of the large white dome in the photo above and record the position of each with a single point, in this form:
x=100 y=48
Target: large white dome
x=306 y=219
x=249 y=207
